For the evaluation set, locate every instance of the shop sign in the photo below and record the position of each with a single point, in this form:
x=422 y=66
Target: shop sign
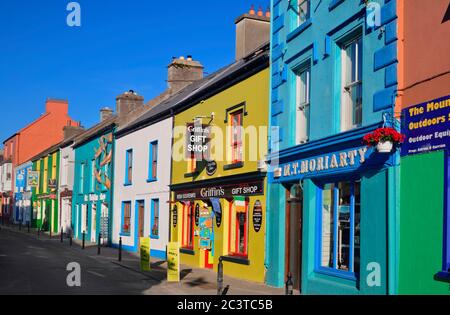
x=94 y=197
x=257 y=216
x=222 y=191
x=173 y=262
x=47 y=196
x=52 y=184
x=332 y=162
x=197 y=141
x=33 y=179
x=145 y=253
x=426 y=127
x=175 y=216
x=197 y=214
x=211 y=168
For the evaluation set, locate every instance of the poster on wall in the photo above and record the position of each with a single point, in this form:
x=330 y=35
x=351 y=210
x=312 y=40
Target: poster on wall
x=426 y=127
x=173 y=262
x=175 y=216
x=145 y=253
x=33 y=179
x=257 y=216
x=206 y=228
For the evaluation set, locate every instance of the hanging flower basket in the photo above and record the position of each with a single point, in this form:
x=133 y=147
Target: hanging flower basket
x=384 y=139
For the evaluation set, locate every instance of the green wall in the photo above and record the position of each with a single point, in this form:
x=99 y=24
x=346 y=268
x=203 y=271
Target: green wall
x=421 y=224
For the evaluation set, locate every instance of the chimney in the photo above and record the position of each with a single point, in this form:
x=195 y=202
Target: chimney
x=106 y=113
x=53 y=105
x=252 y=31
x=70 y=131
x=127 y=102
x=182 y=72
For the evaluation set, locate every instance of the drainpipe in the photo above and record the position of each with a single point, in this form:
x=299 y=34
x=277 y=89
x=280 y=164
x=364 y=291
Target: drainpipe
x=172 y=115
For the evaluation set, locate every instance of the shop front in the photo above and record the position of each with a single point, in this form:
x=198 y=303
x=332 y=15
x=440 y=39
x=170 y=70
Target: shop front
x=222 y=218
x=328 y=216
x=22 y=209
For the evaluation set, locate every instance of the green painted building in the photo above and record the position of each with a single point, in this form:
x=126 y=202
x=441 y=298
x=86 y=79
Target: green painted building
x=45 y=195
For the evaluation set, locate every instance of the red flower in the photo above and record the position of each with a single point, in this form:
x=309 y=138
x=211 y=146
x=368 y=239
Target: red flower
x=382 y=135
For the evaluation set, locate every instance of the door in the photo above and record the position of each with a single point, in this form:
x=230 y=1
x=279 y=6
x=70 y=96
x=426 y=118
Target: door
x=294 y=214
x=141 y=214
x=94 y=223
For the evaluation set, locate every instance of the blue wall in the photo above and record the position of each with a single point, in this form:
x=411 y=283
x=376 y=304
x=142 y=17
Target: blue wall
x=317 y=42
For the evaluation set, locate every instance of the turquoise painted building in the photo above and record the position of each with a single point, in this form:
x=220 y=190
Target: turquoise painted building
x=332 y=201
x=92 y=190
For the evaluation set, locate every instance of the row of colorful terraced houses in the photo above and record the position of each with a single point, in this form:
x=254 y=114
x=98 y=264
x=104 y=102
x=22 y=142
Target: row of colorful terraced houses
x=263 y=163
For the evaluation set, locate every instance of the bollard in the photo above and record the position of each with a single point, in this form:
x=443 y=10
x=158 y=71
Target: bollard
x=220 y=277
x=289 y=285
x=62 y=237
x=28 y=227
x=39 y=232
x=83 y=240
x=50 y=235
x=70 y=238
x=99 y=243
x=120 y=249
x=20 y=226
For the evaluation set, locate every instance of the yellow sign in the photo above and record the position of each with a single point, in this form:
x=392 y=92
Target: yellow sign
x=145 y=253
x=173 y=262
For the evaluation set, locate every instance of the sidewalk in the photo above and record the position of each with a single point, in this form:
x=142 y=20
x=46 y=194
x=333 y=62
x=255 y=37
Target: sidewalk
x=194 y=281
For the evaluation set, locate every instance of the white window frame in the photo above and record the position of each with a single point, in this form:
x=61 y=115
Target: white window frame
x=303 y=108
x=302 y=18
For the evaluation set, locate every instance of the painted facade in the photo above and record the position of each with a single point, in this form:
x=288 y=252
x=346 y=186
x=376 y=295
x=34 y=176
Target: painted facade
x=331 y=200
x=141 y=187
x=23 y=195
x=92 y=188
x=45 y=196
x=424 y=95
x=219 y=187
x=65 y=186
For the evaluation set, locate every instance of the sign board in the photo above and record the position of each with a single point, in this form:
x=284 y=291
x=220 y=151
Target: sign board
x=198 y=141
x=145 y=253
x=52 y=183
x=223 y=191
x=211 y=168
x=33 y=179
x=173 y=262
x=175 y=216
x=257 y=216
x=426 y=127
x=206 y=228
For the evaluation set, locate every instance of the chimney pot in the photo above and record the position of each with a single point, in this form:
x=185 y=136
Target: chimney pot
x=260 y=11
x=252 y=10
x=268 y=13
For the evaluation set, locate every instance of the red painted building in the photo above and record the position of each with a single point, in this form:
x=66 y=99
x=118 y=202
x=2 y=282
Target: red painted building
x=37 y=136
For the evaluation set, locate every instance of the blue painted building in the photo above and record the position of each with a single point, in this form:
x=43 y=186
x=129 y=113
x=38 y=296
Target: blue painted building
x=332 y=202
x=22 y=198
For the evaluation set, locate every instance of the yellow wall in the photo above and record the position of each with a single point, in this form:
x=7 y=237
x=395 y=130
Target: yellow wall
x=255 y=92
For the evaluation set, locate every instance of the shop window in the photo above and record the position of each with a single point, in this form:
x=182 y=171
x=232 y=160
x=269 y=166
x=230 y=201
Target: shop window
x=155 y=218
x=126 y=218
x=339 y=228
x=129 y=167
x=351 y=111
x=236 y=136
x=303 y=105
x=238 y=234
x=188 y=226
x=153 y=165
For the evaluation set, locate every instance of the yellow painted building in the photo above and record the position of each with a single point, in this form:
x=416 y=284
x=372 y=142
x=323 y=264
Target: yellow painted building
x=218 y=206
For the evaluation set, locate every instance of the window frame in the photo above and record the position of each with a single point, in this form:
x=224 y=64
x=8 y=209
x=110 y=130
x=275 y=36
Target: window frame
x=334 y=271
x=122 y=219
x=153 y=173
x=304 y=107
x=308 y=14
x=154 y=218
x=349 y=109
x=233 y=213
x=237 y=146
x=93 y=168
x=128 y=167
x=82 y=175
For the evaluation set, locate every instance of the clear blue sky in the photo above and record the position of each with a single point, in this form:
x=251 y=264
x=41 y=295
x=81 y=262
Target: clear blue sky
x=121 y=45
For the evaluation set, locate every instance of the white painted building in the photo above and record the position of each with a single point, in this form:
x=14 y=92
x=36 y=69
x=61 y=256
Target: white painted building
x=141 y=187
x=65 y=186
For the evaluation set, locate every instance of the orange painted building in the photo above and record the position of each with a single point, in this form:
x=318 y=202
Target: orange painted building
x=36 y=137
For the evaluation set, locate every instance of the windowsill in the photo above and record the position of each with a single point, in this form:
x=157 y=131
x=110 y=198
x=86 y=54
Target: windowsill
x=152 y=180
x=336 y=273
x=300 y=29
x=187 y=251
x=154 y=237
x=190 y=175
x=442 y=276
x=233 y=166
x=125 y=234
x=334 y=3
x=127 y=184
x=236 y=259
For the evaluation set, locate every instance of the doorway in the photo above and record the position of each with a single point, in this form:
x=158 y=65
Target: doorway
x=141 y=215
x=294 y=228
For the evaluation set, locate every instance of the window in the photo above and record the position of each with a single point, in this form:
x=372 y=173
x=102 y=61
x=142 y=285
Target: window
x=188 y=226
x=236 y=136
x=153 y=167
x=126 y=218
x=155 y=219
x=129 y=167
x=340 y=227
x=82 y=170
x=303 y=106
x=351 y=113
x=238 y=240
x=65 y=174
x=93 y=177
x=303 y=11
x=106 y=174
